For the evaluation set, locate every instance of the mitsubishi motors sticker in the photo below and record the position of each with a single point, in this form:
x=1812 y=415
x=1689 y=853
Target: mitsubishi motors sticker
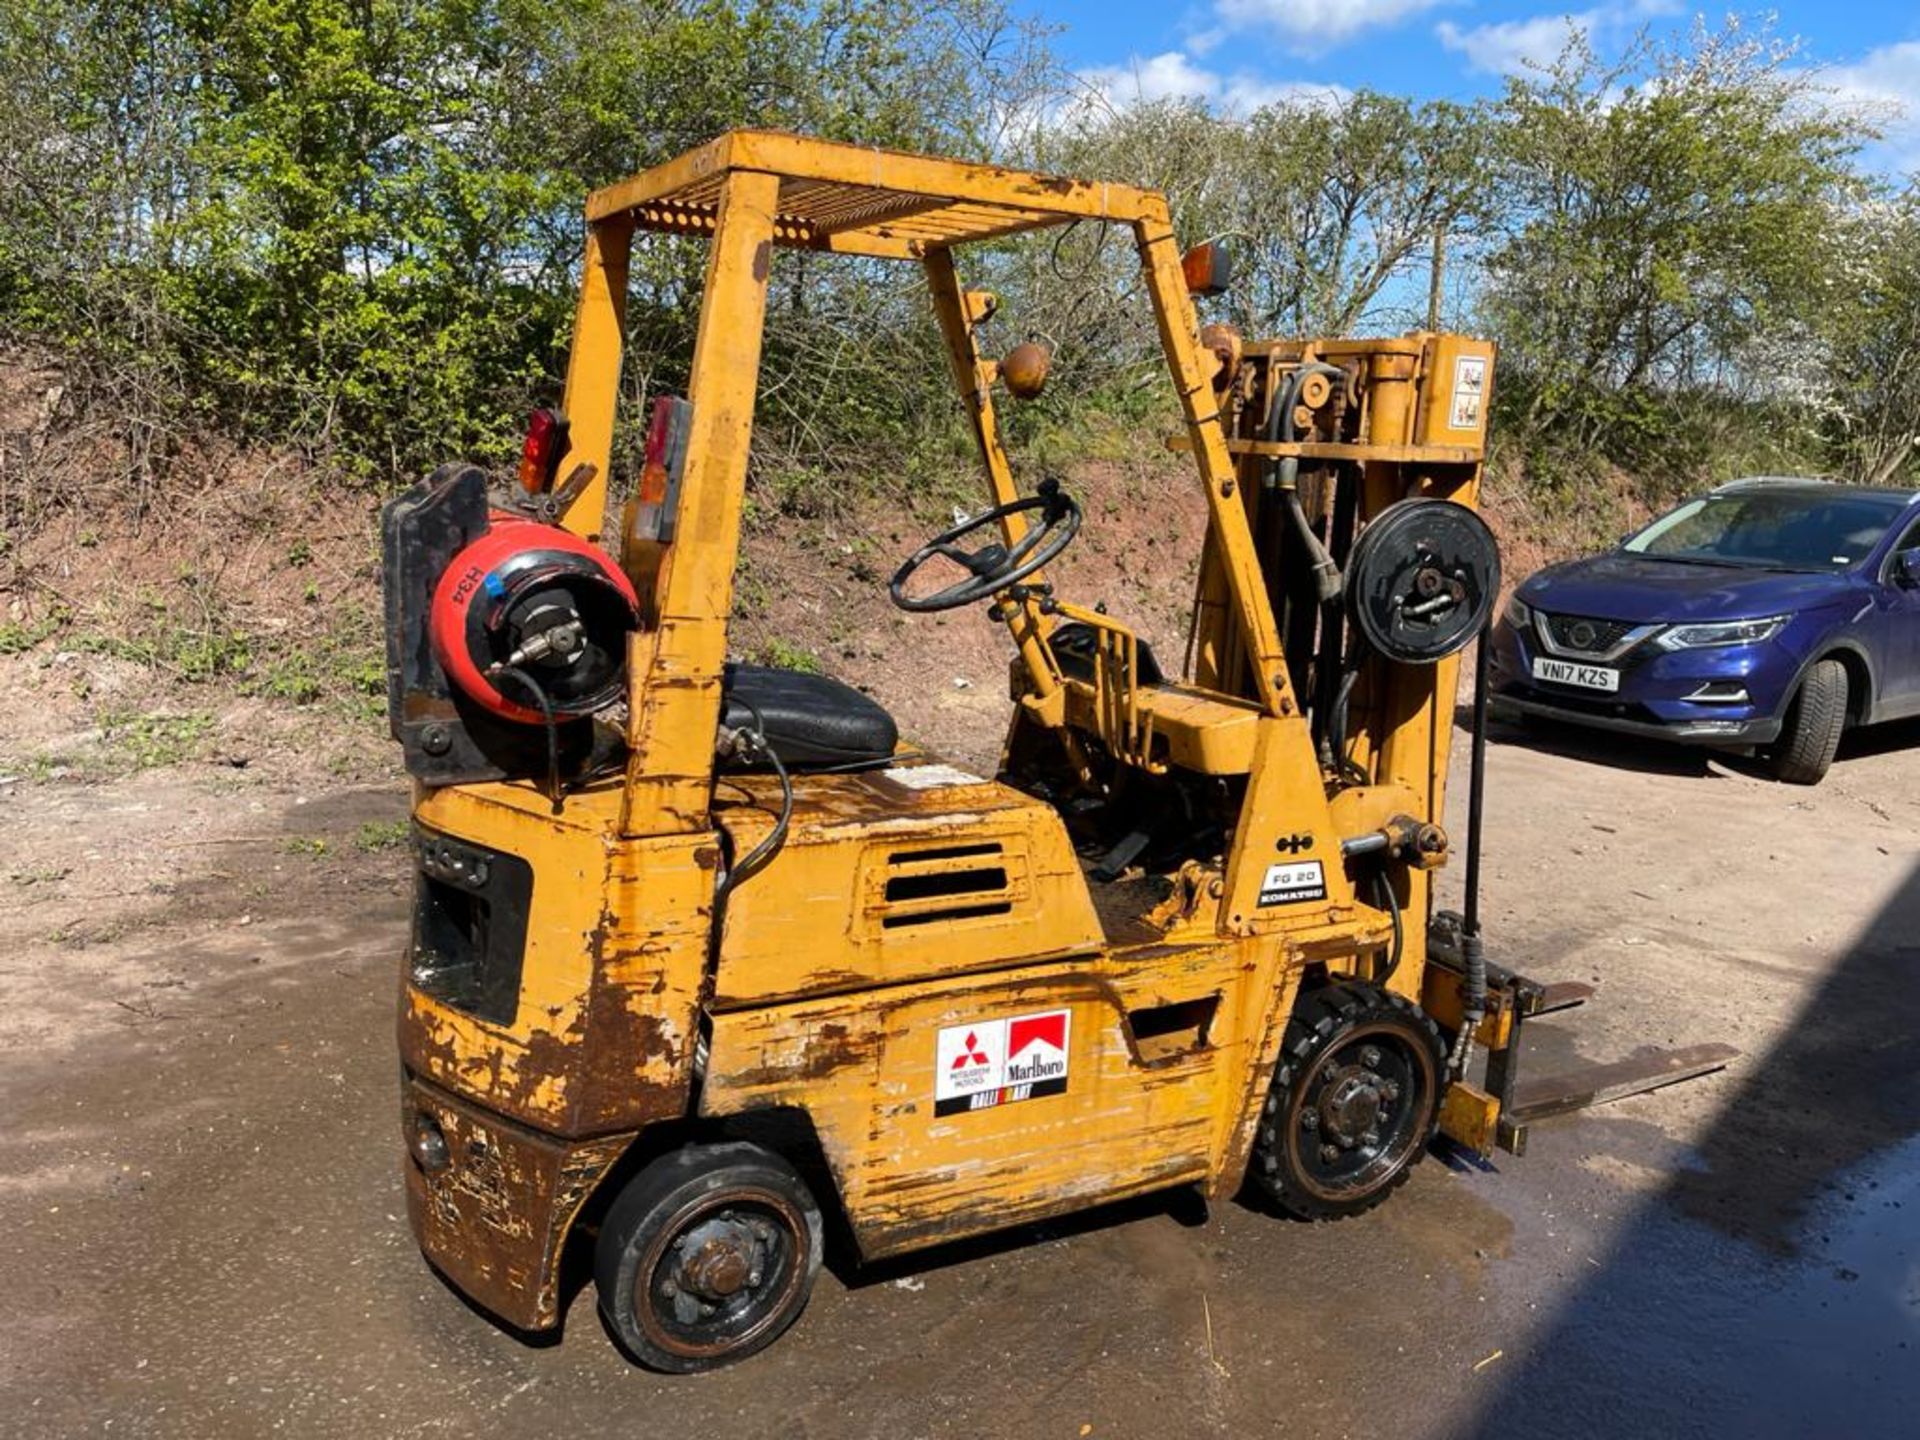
x=996 y=1062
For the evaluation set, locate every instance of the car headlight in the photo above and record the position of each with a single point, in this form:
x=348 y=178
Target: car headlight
x=1725 y=632
x=1517 y=614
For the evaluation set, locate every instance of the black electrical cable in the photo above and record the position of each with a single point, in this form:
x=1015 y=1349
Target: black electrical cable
x=1473 y=951
x=848 y=767
x=1337 y=721
x=534 y=688
x=1385 y=899
x=758 y=858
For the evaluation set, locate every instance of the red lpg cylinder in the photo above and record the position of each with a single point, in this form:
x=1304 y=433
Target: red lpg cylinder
x=538 y=599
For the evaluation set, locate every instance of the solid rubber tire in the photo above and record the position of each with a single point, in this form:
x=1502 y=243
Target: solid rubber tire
x=1320 y=1018
x=650 y=1201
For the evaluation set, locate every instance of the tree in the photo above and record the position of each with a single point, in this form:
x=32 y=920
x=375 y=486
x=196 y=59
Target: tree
x=1664 y=212
x=1870 y=371
x=1329 y=204
x=354 y=224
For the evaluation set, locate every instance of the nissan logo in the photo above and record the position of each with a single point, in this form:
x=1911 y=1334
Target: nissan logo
x=1581 y=634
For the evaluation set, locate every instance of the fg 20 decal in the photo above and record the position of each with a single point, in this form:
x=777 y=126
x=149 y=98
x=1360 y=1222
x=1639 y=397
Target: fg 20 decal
x=1293 y=881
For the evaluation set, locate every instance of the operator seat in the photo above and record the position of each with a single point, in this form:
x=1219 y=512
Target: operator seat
x=810 y=721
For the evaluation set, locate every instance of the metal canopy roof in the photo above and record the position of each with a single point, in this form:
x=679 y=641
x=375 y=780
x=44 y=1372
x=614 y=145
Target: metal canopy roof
x=862 y=201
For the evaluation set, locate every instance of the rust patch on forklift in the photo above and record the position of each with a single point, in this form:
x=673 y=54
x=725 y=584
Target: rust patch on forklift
x=495 y=1218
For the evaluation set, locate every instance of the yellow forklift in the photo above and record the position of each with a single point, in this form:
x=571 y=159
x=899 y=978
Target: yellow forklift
x=702 y=953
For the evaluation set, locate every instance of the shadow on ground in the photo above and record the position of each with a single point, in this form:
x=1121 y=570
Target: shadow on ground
x=1665 y=757
x=1772 y=1288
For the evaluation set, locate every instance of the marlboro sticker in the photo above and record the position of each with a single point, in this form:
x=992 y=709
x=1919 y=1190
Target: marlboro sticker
x=997 y=1062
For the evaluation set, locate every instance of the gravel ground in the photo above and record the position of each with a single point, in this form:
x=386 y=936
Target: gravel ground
x=202 y=1227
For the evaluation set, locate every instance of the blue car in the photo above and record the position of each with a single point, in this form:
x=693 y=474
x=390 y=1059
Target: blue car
x=1768 y=615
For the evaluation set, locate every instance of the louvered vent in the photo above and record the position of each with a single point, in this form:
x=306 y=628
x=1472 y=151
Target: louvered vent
x=958 y=882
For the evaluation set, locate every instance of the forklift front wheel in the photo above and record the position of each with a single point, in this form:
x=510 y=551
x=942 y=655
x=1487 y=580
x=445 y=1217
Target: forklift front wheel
x=707 y=1256
x=1355 y=1099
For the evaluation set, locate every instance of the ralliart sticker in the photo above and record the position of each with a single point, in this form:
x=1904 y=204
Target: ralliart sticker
x=997 y=1062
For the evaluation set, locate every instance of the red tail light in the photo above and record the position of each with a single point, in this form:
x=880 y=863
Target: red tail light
x=653 y=471
x=657 y=495
x=540 y=456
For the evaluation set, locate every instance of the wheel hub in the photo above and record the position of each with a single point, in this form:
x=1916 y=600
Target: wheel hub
x=1351 y=1105
x=718 y=1259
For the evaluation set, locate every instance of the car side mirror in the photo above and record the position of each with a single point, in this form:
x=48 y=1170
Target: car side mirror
x=1906 y=568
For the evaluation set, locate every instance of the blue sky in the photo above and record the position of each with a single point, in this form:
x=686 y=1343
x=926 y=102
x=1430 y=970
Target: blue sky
x=1237 y=53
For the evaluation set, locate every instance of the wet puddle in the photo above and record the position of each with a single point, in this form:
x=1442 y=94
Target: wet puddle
x=1679 y=1329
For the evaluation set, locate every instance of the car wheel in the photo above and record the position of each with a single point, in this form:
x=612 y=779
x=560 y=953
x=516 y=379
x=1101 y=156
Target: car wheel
x=1814 y=721
x=707 y=1256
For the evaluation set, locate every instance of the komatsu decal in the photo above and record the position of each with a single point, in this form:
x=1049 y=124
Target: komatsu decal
x=1293 y=881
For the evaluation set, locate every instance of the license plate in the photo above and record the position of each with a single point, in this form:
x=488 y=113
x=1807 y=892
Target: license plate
x=1587 y=677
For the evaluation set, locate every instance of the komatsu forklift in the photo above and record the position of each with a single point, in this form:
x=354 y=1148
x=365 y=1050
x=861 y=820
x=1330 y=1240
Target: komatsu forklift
x=704 y=955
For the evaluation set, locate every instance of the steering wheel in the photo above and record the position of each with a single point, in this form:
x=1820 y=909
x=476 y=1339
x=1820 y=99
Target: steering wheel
x=994 y=566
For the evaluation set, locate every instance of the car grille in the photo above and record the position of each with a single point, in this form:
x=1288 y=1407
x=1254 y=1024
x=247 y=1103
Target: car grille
x=1580 y=635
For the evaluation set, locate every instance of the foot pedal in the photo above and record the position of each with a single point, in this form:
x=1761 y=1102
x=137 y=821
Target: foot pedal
x=1116 y=861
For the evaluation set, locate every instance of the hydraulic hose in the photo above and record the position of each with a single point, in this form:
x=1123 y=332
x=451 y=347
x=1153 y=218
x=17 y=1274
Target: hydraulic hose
x=1285 y=478
x=540 y=698
x=1385 y=899
x=758 y=858
x=1472 y=950
x=1337 y=721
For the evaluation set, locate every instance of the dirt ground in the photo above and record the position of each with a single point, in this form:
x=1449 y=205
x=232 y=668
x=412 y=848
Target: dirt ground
x=202 y=1228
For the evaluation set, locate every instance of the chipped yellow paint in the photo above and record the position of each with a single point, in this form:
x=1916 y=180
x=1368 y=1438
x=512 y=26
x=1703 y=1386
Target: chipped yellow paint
x=820 y=917
x=615 y=959
x=894 y=909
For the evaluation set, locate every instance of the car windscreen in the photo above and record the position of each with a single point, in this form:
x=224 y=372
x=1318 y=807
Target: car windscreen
x=1773 y=529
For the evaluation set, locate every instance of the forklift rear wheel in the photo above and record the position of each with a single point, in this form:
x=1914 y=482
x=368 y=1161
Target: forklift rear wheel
x=1354 y=1102
x=707 y=1256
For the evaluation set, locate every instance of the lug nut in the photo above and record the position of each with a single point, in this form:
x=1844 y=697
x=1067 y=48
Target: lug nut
x=1369 y=1057
x=1329 y=1153
x=1310 y=1120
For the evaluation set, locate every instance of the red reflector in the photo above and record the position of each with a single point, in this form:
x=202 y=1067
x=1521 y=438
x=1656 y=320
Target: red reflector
x=653 y=471
x=540 y=456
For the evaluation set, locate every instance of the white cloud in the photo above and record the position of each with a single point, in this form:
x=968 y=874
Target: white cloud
x=1510 y=47
x=1310 y=26
x=1169 y=76
x=1884 y=85
x=1204 y=42
x=1173 y=75
x=1304 y=26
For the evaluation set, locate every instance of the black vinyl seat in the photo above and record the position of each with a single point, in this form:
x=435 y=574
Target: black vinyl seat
x=809 y=720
